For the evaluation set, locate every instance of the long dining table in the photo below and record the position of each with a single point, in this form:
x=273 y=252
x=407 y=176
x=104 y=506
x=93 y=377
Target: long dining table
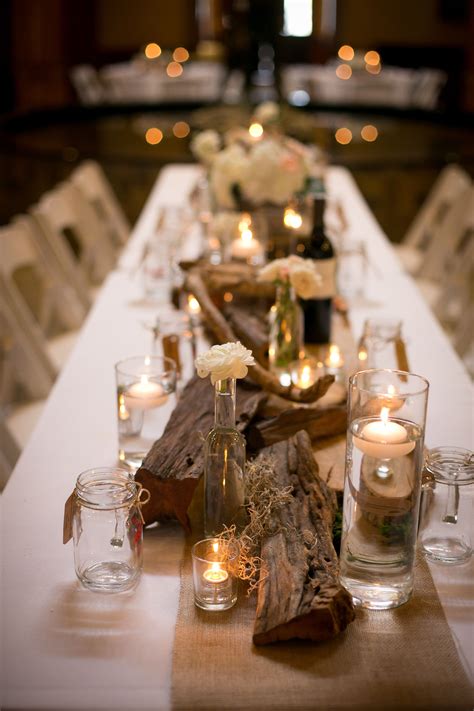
x=64 y=647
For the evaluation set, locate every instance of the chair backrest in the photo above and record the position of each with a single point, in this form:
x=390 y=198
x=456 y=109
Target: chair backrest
x=27 y=371
x=65 y=213
x=36 y=281
x=9 y=453
x=449 y=236
x=451 y=181
x=92 y=182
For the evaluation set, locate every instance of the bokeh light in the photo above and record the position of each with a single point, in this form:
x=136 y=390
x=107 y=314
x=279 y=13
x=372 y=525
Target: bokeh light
x=372 y=58
x=180 y=54
x=344 y=71
x=181 y=129
x=174 y=69
x=369 y=133
x=153 y=136
x=152 y=50
x=343 y=136
x=346 y=52
x=256 y=130
x=373 y=68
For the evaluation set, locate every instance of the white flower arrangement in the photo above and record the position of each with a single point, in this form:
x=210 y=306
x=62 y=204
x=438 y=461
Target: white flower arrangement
x=229 y=360
x=267 y=112
x=301 y=273
x=246 y=172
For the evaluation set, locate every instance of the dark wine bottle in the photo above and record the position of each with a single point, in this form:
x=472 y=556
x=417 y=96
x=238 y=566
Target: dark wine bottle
x=318 y=308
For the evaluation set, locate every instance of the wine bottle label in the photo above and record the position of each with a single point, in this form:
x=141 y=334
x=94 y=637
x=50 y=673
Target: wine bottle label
x=326 y=286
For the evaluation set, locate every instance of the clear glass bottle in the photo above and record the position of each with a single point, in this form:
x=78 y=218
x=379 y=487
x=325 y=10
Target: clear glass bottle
x=286 y=329
x=107 y=529
x=224 y=465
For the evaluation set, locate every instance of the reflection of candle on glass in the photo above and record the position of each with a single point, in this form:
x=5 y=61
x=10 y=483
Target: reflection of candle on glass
x=384 y=438
x=123 y=412
x=246 y=245
x=144 y=395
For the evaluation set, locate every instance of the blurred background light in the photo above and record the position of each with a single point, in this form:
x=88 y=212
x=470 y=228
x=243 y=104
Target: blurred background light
x=343 y=136
x=180 y=54
x=369 y=133
x=174 y=69
x=153 y=136
x=344 y=71
x=152 y=50
x=181 y=129
x=346 y=52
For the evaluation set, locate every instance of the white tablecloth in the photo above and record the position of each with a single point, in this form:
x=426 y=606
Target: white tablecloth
x=66 y=648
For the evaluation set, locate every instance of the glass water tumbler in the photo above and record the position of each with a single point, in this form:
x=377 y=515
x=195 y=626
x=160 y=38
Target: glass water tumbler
x=384 y=463
x=108 y=529
x=380 y=344
x=146 y=397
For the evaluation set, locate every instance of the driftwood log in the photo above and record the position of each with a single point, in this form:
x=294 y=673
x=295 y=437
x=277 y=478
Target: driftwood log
x=250 y=329
x=301 y=596
x=223 y=332
x=317 y=423
x=173 y=466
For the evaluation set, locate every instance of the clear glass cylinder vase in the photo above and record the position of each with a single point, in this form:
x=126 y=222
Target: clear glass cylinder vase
x=384 y=463
x=224 y=465
x=286 y=330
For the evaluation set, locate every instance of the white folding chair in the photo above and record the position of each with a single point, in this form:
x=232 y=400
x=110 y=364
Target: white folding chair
x=66 y=217
x=94 y=185
x=38 y=279
x=26 y=377
x=87 y=84
x=451 y=182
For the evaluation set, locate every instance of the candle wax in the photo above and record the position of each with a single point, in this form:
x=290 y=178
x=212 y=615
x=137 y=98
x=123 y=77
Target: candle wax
x=384 y=439
x=144 y=395
x=215 y=574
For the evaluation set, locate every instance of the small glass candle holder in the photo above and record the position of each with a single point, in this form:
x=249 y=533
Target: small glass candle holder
x=250 y=241
x=334 y=363
x=146 y=397
x=445 y=535
x=384 y=464
x=305 y=371
x=214 y=574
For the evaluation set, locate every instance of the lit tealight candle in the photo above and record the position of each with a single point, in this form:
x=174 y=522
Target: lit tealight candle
x=292 y=219
x=215 y=574
x=256 y=131
x=304 y=373
x=334 y=359
x=384 y=438
x=246 y=246
x=144 y=395
x=193 y=307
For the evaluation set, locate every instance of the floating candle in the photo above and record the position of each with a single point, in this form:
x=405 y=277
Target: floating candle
x=292 y=219
x=246 y=246
x=305 y=372
x=384 y=438
x=144 y=395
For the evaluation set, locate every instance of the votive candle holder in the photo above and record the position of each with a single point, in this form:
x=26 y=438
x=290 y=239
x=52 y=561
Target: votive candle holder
x=214 y=574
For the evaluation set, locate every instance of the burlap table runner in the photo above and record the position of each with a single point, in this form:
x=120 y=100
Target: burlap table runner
x=402 y=658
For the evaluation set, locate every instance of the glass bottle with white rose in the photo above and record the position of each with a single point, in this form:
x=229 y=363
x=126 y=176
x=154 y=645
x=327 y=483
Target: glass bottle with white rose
x=286 y=327
x=224 y=449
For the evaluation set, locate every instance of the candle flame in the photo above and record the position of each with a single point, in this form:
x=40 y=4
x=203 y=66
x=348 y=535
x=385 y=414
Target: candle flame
x=144 y=380
x=245 y=222
x=334 y=355
x=391 y=390
x=147 y=360
x=292 y=219
x=193 y=305
x=384 y=412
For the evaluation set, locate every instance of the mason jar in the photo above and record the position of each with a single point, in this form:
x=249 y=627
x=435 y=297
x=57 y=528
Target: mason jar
x=107 y=527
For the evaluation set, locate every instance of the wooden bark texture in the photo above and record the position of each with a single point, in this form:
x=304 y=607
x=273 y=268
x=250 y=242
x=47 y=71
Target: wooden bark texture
x=223 y=333
x=301 y=596
x=174 y=465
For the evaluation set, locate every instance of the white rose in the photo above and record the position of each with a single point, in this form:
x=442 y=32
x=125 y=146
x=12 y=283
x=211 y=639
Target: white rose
x=229 y=360
x=227 y=170
x=272 y=270
x=267 y=112
x=206 y=146
x=304 y=278
x=273 y=173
